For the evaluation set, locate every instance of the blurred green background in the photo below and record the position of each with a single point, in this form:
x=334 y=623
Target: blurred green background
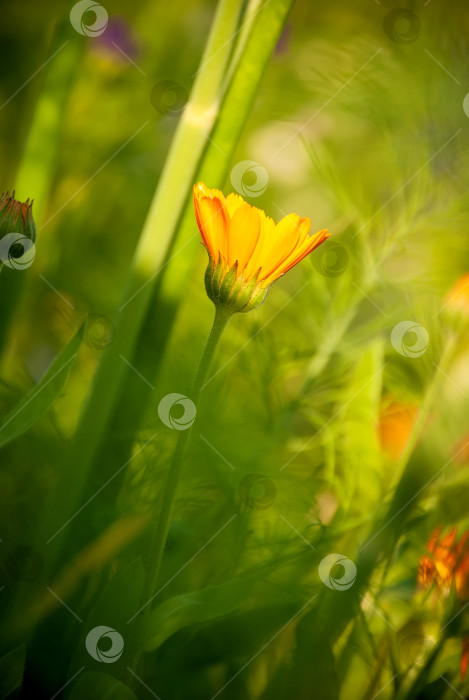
x=316 y=433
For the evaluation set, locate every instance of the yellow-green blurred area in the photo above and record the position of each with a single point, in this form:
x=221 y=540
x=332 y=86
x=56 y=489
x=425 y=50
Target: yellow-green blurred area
x=334 y=416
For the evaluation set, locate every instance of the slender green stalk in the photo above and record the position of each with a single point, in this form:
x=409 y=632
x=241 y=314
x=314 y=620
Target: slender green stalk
x=222 y=316
x=252 y=10
x=160 y=535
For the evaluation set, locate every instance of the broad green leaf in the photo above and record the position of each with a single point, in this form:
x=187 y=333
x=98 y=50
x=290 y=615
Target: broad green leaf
x=11 y=671
x=100 y=686
x=35 y=404
x=201 y=606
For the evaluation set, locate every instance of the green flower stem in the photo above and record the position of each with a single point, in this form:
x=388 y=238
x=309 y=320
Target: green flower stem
x=222 y=316
x=160 y=535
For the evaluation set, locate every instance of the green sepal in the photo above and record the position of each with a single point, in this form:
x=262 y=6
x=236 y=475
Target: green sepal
x=256 y=299
x=227 y=292
x=209 y=280
x=225 y=288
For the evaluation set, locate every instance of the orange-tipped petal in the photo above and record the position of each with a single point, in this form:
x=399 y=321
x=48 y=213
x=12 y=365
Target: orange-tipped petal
x=243 y=235
x=300 y=250
x=305 y=249
x=281 y=244
x=212 y=220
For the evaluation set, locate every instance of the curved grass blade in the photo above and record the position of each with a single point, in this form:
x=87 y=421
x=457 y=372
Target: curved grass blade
x=192 y=608
x=11 y=671
x=38 y=401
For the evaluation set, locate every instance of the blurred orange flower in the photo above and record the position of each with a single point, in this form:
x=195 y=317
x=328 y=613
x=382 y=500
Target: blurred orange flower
x=446 y=565
x=395 y=425
x=439 y=565
x=247 y=249
x=458 y=296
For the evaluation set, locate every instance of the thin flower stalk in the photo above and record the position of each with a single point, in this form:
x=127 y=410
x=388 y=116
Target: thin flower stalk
x=247 y=253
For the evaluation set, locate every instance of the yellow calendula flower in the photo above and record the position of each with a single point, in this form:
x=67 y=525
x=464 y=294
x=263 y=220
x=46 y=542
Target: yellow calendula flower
x=247 y=249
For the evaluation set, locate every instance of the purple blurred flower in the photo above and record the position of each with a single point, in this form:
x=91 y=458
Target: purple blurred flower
x=118 y=39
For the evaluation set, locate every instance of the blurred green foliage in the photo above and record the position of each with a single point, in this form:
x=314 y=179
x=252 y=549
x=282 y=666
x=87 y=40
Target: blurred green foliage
x=359 y=123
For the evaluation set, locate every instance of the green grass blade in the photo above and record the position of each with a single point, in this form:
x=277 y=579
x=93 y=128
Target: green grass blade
x=36 y=404
x=192 y=608
x=11 y=672
x=38 y=163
